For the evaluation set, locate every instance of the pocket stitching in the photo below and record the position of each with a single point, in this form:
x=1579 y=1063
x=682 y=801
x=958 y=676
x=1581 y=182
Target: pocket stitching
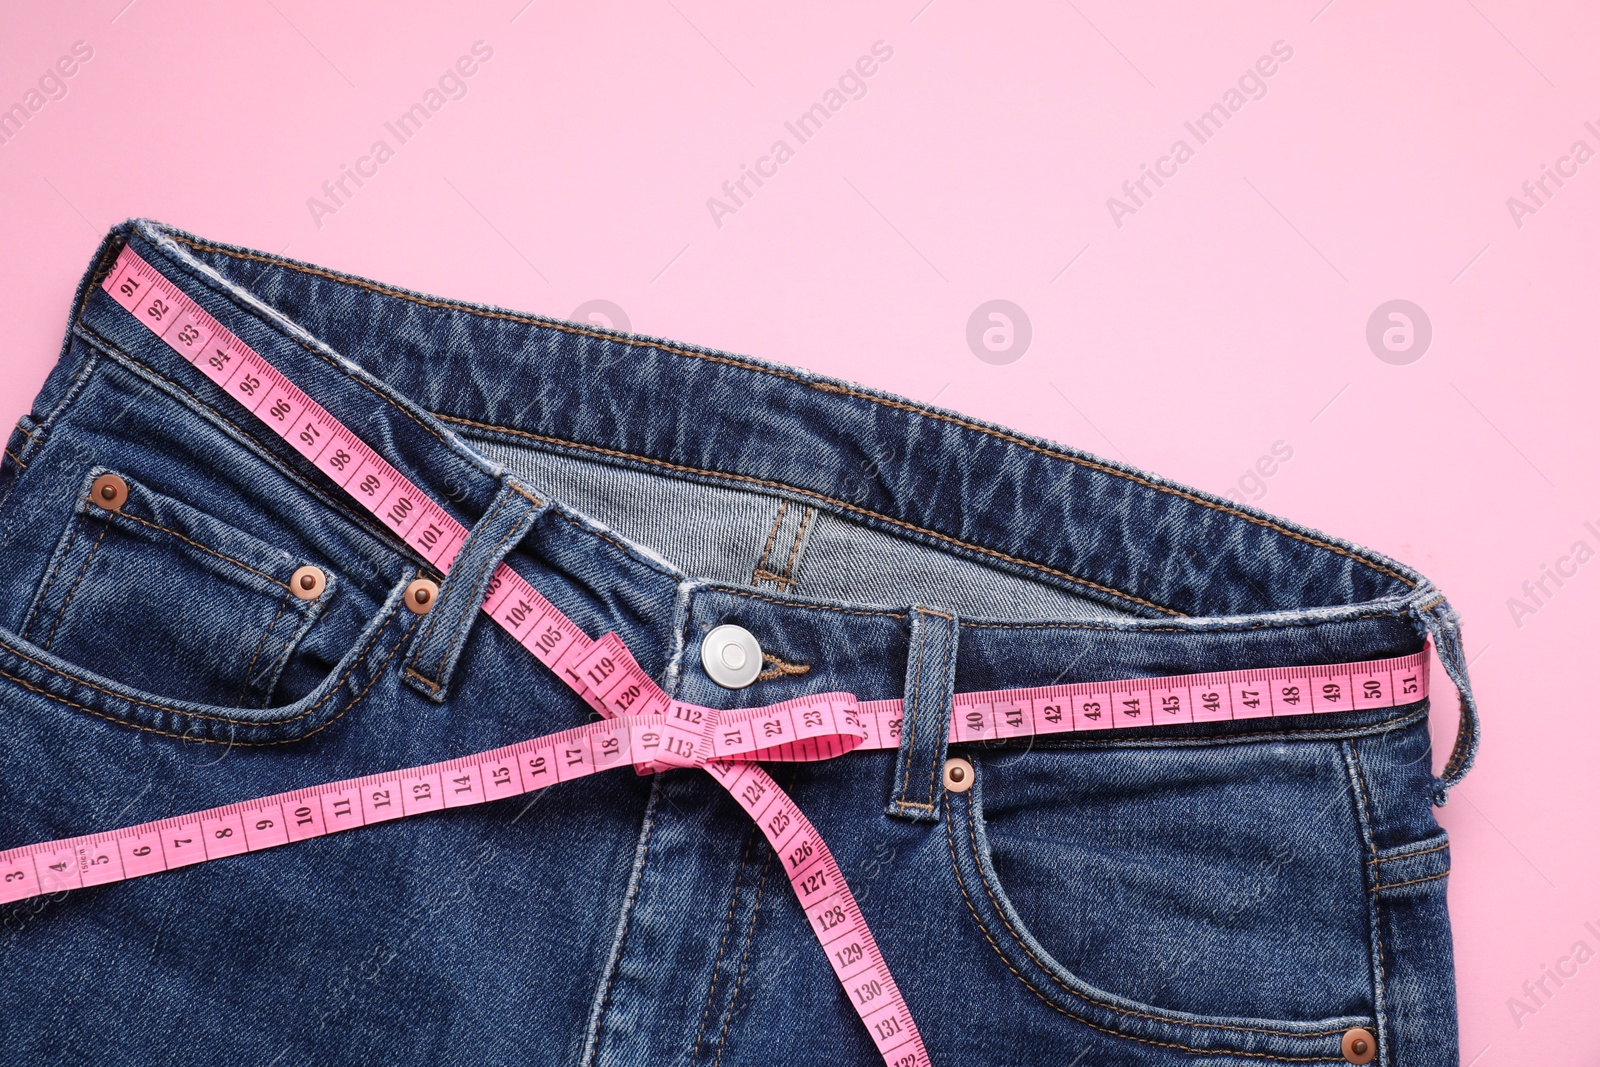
x=961 y=883
x=61 y=554
x=87 y=509
x=1393 y=857
x=168 y=709
x=357 y=699
x=972 y=831
x=204 y=548
x=65 y=604
x=249 y=671
x=1415 y=881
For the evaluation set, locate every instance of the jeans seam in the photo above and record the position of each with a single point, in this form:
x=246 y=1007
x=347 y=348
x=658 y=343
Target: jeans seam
x=432 y=685
x=794 y=549
x=630 y=551
x=1195 y=740
x=961 y=883
x=1415 y=881
x=1407 y=855
x=744 y=958
x=620 y=945
x=722 y=946
x=808 y=607
x=772 y=539
x=1366 y=800
x=1379 y=965
x=79 y=381
x=1244 y=628
x=1247 y=628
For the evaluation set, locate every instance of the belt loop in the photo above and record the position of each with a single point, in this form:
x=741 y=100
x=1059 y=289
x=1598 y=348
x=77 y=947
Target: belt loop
x=433 y=657
x=1440 y=620
x=925 y=728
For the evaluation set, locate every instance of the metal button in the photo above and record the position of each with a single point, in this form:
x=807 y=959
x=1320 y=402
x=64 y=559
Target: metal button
x=109 y=491
x=420 y=596
x=308 y=582
x=731 y=656
x=957 y=775
x=1358 y=1046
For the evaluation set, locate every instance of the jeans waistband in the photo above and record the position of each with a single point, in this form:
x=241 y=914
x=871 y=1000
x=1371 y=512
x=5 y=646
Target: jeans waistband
x=1186 y=580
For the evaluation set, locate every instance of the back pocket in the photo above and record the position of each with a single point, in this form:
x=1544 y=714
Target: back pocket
x=165 y=599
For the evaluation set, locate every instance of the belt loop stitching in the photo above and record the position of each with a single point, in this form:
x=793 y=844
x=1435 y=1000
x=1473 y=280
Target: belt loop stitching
x=471 y=572
x=920 y=700
x=911 y=713
x=946 y=685
x=434 y=617
x=772 y=539
x=799 y=542
x=1436 y=618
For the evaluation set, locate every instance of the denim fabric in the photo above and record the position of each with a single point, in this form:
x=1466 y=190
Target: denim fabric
x=1242 y=892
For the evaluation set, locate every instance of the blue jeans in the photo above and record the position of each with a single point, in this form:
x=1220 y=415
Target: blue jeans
x=1237 y=892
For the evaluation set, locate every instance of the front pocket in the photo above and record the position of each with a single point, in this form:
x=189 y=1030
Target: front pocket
x=1158 y=927
x=165 y=599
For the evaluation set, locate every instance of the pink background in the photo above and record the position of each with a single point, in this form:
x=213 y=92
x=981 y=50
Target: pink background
x=1227 y=314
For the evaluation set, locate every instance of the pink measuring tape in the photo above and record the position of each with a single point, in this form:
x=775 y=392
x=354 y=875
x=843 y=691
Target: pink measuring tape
x=642 y=726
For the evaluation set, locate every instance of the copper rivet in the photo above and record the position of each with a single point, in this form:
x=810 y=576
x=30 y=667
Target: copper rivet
x=957 y=775
x=308 y=582
x=420 y=596
x=1358 y=1046
x=109 y=491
